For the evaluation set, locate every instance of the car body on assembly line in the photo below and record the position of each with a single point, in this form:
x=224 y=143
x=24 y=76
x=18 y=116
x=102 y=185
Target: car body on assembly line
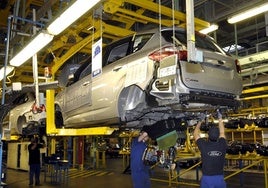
x=25 y=117
x=146 y=78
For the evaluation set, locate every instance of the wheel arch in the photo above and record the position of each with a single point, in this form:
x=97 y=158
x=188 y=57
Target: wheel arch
x=59 y=122
x=21 y=122
x=129 y=98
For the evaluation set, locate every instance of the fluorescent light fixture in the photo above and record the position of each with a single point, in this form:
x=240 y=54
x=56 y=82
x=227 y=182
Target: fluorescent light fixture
x=232 y=48
x=40 y=41
x=9 y=69
x=249 y=13
x=70 y=15
x=211 y=28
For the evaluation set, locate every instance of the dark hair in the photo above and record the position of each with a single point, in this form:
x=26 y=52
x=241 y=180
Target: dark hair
x=213 y=133
x=34 y=139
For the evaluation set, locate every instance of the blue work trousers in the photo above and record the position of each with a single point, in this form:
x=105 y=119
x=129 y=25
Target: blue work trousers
x=34 y=172
x=216 y=181
x=141 y=179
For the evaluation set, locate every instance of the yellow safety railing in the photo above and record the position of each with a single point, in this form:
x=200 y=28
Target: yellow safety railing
x=173 y=175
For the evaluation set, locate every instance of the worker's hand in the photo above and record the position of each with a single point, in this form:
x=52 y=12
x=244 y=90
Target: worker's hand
x=219 y=115
x=202 y=117
x=143 y=137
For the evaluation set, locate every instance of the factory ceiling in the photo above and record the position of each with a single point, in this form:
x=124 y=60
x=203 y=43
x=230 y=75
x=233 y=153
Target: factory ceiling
x=114 y=19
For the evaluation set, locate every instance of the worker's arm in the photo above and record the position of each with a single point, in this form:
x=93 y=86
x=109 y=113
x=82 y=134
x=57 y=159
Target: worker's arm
x=221 y=128
x=197 y=130
x=34 y=145
x=221 y=124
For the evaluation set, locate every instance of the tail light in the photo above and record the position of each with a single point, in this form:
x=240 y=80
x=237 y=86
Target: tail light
x=168 y=51
x=237 y=65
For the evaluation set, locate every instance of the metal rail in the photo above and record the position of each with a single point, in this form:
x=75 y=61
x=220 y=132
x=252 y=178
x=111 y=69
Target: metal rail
x=258 y=160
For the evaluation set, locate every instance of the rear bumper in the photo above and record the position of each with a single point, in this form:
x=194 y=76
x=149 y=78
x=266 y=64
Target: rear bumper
x=209 y=98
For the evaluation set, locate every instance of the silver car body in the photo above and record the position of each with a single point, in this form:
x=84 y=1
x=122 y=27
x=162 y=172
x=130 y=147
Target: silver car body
x=25 y=113
x=146 y=78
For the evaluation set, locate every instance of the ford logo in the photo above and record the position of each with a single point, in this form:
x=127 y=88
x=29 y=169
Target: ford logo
x=214 y=153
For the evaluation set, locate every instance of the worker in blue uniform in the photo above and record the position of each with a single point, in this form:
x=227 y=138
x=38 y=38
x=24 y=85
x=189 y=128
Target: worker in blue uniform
x=140 y=172
x=213 y=153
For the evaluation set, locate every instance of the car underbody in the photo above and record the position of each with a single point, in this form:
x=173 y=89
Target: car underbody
x=149 y=110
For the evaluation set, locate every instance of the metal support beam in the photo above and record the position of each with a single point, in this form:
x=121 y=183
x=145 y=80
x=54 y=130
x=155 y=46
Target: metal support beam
x=253 y=90
x=85 y=131
x=191 y=51
x=3 y=94
x=255 y=97
x=266 y=23
x=253 y=58
x=50 y=112
x=6 y=62
x=52 y=146
x=260 y=109
x=74 y=151
x=152 y=6
x=236 y=42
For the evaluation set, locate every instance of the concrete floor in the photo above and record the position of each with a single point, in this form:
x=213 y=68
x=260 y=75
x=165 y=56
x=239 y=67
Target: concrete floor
x=113 y=177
